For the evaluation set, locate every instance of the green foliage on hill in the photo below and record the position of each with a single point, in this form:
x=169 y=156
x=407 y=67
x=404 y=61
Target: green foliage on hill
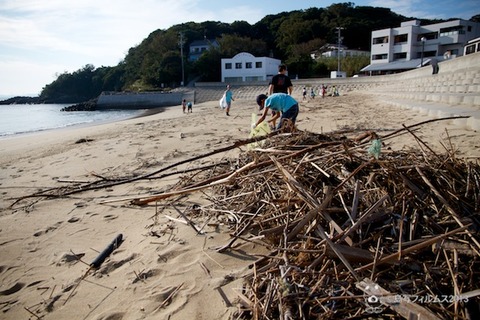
x=156 y=62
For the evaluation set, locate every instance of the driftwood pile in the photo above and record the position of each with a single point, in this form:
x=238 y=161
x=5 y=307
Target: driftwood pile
x=352 y=236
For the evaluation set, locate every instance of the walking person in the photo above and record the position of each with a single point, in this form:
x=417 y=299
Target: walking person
x=284 y=105
x=228 y=99
x=184 y=105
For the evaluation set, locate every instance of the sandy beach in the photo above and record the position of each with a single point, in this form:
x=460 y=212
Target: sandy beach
x=163 y=269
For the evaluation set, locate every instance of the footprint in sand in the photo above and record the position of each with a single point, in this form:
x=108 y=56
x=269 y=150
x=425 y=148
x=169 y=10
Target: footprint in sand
x=73 y=219
x=110 y=217
x=111 y=265
x=112 y=316
x=51 y=228
x=147 y=274
x=15 y=288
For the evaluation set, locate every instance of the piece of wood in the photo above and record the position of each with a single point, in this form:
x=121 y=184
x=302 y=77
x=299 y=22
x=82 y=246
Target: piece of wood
x=414 y=248
x=161 y=196
x=352 y=254
x=449 y=207
x=107 y=251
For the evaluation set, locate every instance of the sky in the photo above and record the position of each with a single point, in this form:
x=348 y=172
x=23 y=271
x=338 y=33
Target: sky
x=41 y=39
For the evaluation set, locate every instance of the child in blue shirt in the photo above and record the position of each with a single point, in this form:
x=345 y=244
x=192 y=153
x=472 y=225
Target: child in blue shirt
x=284 y=103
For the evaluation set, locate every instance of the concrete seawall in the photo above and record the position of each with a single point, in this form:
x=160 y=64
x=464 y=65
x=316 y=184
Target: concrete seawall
x=455 y=90
x=142 y=100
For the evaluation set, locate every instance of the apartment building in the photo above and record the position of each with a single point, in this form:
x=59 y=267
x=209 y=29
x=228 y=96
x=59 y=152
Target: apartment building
x=412 y=45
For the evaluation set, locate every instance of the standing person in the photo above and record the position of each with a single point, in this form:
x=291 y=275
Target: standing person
x=228 y=99
x=281 y=103
x=434 y=64
x=189 y=107
x=324 y=90
x=280 y=83
x=184 y=104
x=304 y=93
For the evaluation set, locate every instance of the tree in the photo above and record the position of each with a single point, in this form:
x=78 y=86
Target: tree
x=288 y=36
x=230 y=45
x=208 y=66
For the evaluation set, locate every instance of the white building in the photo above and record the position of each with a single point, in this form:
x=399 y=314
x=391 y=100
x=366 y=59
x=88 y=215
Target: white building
x=332 y=51
x=412 y=45
x=245 y=67
x=472 y=46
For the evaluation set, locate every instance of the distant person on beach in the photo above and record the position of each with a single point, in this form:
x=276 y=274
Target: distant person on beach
x=304 y=93
x=283 y=104
x=335 y=92
x=228 y=99
x=189 y=107
x=280 y=83
x=184 y=105
x=324 y=90
x=434 y=64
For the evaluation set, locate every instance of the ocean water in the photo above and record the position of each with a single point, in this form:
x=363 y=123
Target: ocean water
x=19 y=119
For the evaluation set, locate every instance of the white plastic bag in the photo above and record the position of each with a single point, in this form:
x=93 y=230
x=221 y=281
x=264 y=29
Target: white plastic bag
x=223 y=102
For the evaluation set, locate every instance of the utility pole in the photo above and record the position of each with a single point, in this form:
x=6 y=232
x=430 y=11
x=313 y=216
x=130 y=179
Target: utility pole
x=338 y=48
x=181 y=43
x=423 y=39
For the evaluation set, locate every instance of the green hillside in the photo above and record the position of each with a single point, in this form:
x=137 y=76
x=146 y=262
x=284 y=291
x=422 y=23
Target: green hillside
x=156 y=63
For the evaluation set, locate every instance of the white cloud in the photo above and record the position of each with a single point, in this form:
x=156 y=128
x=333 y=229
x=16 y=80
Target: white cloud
x=408 y=8
x=67 y=35
x=28 y=74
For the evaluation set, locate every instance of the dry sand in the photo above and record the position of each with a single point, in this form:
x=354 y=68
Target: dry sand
x=163 y=269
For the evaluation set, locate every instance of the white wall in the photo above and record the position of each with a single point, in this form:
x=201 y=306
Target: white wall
x=269 y=67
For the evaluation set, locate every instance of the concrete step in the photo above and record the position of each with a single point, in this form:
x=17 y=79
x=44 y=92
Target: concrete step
x=440 y=110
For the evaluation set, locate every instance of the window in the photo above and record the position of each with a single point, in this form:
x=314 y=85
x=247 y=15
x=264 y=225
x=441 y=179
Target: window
x=400 y=55
x=451 y=31
x=470 y=49
x=248 y=65
x=238 y=65
x=228 y=65
x=427 y=36
x=401 y=38
x=380 y=40
x=258 y=64
x=431 y=53
x=380 y=56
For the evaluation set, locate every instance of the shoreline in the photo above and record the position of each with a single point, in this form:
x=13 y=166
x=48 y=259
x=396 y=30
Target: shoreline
x=142 y=113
